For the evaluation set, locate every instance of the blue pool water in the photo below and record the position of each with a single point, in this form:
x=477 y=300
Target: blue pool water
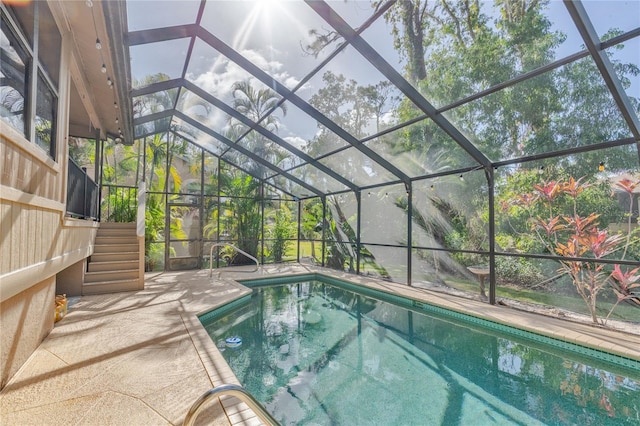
x=318 y=354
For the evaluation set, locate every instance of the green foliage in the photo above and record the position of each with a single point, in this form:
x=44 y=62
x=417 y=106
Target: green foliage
x=154 y=259
x=312 y=220
x=342 y=247
x=341 y=237
x=121 y=205
x=564 y=231
x=239 y=215
x=281 y=232
x=471 y=46
x=255 y=104
x=155 y=102
x=513 y=217
x=120 y=164
x=360 y=110
x=154 y=220
x=82 y=151
x=518 y=271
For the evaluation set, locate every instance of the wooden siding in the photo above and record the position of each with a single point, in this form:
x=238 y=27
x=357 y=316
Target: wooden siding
x=27 y=168
x=36 y=240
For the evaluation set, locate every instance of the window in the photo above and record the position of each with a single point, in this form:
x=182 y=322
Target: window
x=46 y=106
x=50 y=43
x=22 y=73
x=14 y=63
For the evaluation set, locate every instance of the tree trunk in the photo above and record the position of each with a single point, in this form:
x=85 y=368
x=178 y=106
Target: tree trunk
x=414 y=40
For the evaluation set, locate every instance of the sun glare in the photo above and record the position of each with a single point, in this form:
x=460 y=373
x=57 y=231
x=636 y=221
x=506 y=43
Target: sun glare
x=264 y=11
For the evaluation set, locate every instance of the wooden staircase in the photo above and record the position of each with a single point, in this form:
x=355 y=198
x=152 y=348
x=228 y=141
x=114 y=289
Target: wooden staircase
x=117 y=261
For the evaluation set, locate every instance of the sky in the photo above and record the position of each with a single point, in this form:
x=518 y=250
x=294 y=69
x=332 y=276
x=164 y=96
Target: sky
x=273 y=34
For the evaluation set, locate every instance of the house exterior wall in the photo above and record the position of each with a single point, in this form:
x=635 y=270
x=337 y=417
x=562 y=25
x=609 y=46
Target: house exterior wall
x=26 y=319
x=37 y=240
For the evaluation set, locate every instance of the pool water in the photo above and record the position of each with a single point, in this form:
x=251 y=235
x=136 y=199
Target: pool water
x=317 y=354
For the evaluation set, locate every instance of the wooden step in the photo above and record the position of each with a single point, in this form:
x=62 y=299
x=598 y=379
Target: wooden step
x=114 y=257
x=101 y=276
x=115 y=248
x=118 y=225
x=113 y=265
x=101 y=287
x=117 y=229
x=116 y=233
x=116 y=239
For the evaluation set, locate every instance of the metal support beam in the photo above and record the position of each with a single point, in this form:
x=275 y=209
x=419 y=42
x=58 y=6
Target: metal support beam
x=171 y=113
x=324 y=225
x=592 y=41
x=152 y=117
x=262 y=233
x=201 y=218
x=409 y=188
x=299 y=203
x=97 y=173
x=489 y=173
x=358 y=228
x=115 y=13
x=167 y=210
x=349 y=34
x=158 y=86
x=266 y=133
x=244 y=151
x=282 y=90
x=565 y=152
x=156 y=35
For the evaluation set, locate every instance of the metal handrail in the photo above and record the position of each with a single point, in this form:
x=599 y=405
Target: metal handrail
x=233 y=390
x=236 y=249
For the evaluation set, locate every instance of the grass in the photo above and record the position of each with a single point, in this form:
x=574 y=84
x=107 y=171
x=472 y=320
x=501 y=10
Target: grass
x=305 y=250
x=574 y=304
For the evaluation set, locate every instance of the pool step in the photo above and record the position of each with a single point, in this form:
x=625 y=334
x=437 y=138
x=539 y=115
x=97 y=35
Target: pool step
x=115 y=264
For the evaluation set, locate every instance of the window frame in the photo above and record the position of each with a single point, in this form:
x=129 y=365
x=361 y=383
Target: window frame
x=34 y=71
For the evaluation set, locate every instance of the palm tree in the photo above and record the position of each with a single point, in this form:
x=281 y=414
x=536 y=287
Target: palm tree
x=243 y=219
x=255 y=104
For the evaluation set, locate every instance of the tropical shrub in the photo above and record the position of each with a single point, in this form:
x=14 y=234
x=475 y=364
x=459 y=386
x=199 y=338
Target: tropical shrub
x=120 y=205
x=281 y=232
x=579 y=237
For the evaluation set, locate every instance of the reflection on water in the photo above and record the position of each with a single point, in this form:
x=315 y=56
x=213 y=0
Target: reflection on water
x=313 y=353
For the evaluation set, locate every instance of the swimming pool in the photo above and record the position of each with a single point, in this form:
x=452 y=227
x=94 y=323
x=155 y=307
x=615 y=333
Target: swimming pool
x=320 y=353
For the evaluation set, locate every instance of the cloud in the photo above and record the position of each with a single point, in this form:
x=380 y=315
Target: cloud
x=218 y=80
x=296 y=141
x=261 y=62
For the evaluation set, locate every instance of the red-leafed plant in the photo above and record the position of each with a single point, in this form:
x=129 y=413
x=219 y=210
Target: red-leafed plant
x=578 y=238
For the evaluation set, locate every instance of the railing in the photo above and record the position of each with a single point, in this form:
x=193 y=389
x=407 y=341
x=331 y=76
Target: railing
x=119 y=203
x=236 y=249
x=233 y=390
x=82 y=193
